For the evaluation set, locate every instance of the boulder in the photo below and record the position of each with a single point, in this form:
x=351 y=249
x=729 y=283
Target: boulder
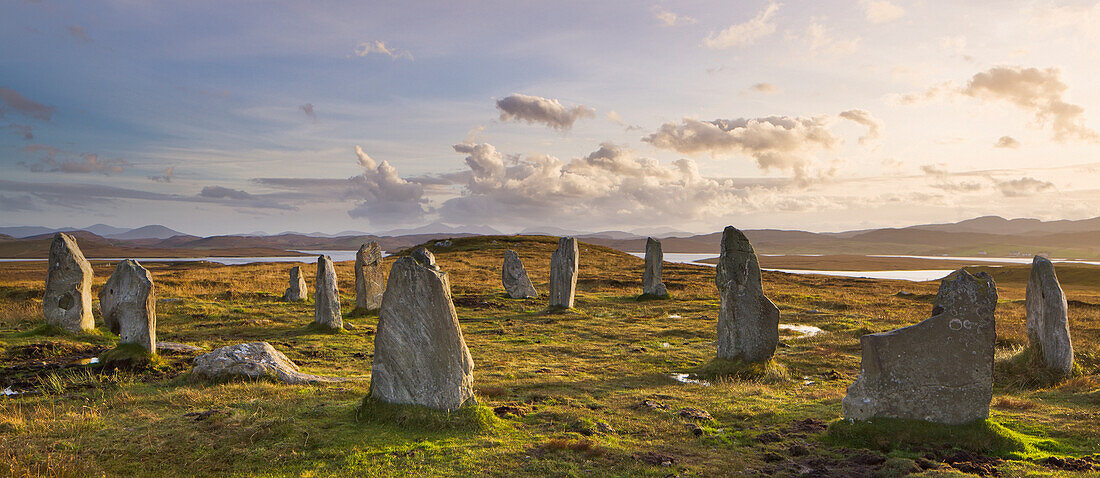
x=1047 y=319
x=563 y=273
x=296 y=289
x=651 y=277
x=748 y=322
x=326 y=301
x=420 y=356
x=251 y=361
x=68 y=300
x=514 y=277
x=939 y=370
x=368 y=277
x=129 y=305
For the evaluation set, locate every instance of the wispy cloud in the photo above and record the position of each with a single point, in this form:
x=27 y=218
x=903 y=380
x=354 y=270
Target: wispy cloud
x=11 y=99
x=308 y=110
x=670 y=19
x=881 y=11
x=744 y=34
x=379 y=47
x=1039 y=91
x=1007 y=142
x=77 y=32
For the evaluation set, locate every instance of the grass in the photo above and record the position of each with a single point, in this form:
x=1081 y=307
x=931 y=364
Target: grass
x=769 y=371
x=473 y=418
x=130 y=357
x=987 y=437
x=1025 y=369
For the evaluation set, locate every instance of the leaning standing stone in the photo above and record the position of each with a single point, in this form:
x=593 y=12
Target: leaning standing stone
x=296 y=289
x=563 y=273
x=1047 y=320
x=748 y=322
x=420 y=356
x=368 y=277
x=939 y=370
x=514 y=277
x=129 y=305
x=651 y=277
x=68 y=299
x=326 y=302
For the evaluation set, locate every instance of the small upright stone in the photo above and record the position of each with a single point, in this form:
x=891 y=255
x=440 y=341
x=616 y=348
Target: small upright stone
x=326 y=301
x=563 y=273
x=420 y=356
x=368 y=277
x=651 y=277
x=939 y=370
x=514 y=277
x=1047 y=319
x=68 y=299
x=296 y=289
x=748 y=322
x=128 y=303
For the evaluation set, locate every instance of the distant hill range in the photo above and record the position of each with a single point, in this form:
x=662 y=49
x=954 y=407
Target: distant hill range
x=990 y=235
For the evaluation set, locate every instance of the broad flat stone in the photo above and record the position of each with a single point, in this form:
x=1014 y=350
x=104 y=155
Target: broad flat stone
x=651 y=277
x=252 y=361
x=939 y=370
x=128 y=303
x=296 y=288
x=68 y=300
x=368 y=277
x=420 y=356
x=748 y=322
x=563 y=273
x=326 y=301
x=1047 y=317
x=514 y=277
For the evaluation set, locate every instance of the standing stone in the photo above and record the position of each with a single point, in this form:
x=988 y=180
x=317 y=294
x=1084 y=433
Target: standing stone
x=563 y=273
x=68 y=299
x=420 y=356
x=368 y=277
x=939 y=370
x=297 y=287
x=1047 y=320
x=514 y=277
x=326 y=301
x=651 y=278
x=748 y=322
x=128 y=303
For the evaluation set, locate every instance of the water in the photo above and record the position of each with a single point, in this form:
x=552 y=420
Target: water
x=9 y=392
x=682 y=257
x=337 y=256
x=805 y=330
x=683 y=378
x=1010 y=260
x=920 y=275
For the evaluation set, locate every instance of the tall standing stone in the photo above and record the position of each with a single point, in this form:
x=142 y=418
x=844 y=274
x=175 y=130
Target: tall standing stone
x=368 y=277
x=128 y=303
x=296 y=289
x=68 y=299
x=514 y=277
x=420 y=356
x=748 y=322
x=1047 y=319
x=939 y=370
x=651 y=277
x=563 y=273
x=326 y=302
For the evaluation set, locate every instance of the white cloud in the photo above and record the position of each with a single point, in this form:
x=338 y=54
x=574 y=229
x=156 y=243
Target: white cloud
x=385 y=197
x=819 y=40
x=744 y=34
x=881 y=11
x=379 y=47
x=1039 y=91
x=670 y=19
x=613 y=116
x=534 y=109
x=865 y=118
x=1022 y=187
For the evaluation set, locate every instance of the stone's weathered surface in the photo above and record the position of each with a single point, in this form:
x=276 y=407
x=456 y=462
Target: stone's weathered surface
x=128 y=303
x=651 y=277
x=368 y=277
x=1047 y=319
x=939 y=370
x=326 y=300
x=748 y=322
x=420 y=356
x=514 y=277
x=563 y=273
x=68 y=299
x=251 y=361
x=296 y=289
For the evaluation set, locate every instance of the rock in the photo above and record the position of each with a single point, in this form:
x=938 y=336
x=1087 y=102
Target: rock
x=368 y=277
x=651 y=277
x=252 y=361
x=296 y=290
x=129 y=305
x=939 y=370
x=1047 y=320
x=748 y=323
x=177 y=348
x=420 y=356
x=563 y=273
x=514 y=277
x=443 y=243
x=68 y=300
x=326 y=302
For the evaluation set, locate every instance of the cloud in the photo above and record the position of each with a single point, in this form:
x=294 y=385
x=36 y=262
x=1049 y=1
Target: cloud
x=863 y=117
x=1022 y=187
x=938 y=169
x=670 y=19
x=86 y=163
x=165 y=176
x=932 y=93
x=534 y=109
x=766 y=88
x=380 y=48
x=79 y=194
x=78 y=33
x=385 y=198
x=819 y=40
x=744 y=34
x=10 y=98
x=24 y=131
x=960 y=187
x=881 y=11
x=613 y=116
x=1007 y=142
x=17 y=203
x=1039 y=91
x=219 y=192
x=308 y=110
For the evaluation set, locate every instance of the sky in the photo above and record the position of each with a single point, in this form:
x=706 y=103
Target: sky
x=240 y=116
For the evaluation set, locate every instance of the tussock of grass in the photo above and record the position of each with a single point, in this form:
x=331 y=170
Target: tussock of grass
x=770 y=371
x=583 y=446
x=1025 y=370
x=471 y=417
x=129 y=357
x=985 y=436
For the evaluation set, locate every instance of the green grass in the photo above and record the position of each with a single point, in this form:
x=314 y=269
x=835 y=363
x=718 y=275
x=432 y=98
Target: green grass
x=130 y=357
x=472 y=417
x=770 y=371
x=985 y=436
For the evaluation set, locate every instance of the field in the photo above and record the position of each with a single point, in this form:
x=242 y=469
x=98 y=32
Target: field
x=589 y=392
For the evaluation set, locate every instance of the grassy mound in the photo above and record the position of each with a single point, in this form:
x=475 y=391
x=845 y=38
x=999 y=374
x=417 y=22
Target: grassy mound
x=769 y=371
x=985 y=436
x=471 y=417
x=1025 y=370
x=129 y=357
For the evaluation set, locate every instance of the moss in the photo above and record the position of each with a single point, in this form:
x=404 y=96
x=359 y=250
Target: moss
x=984 y=436
x=50 y=330
x=769 y=371
x=1026 y=370
x=471 y=417
x=648 y=297
x=129 y=357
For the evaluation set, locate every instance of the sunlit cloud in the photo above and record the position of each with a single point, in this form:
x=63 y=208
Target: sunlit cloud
x=379 y=47
x=1007 y=142
x=534 y=109
x=881 y=11
x=744 y=34
x=11 y=99
x=670 y=19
